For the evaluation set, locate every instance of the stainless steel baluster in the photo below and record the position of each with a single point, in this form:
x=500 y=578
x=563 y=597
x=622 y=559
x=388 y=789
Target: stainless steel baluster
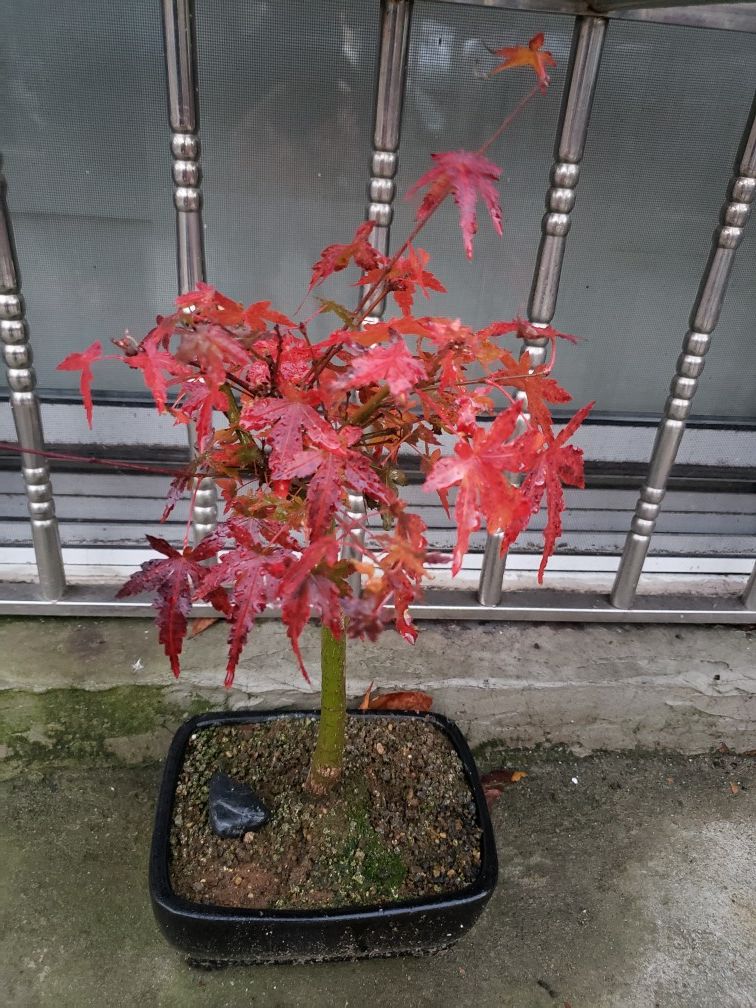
x=396 y=16
x=183 y=110
x=22 y=382
x=690 y=364
x=749 y=595
x=582 y=75
x=356 y=513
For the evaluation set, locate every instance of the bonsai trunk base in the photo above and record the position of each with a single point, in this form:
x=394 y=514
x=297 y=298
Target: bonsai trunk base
x=218 y=935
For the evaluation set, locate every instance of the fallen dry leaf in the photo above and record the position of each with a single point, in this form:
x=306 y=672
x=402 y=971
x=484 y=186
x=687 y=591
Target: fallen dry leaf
x=749 y=752
x=495 y=781
x=734 y=788
x=409 y=700
x=201 y=624
x=365 y=702
x=491 y=795
x=503 y=776
x=723 y=748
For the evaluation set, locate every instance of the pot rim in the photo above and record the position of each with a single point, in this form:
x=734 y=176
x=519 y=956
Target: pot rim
x=159 y=876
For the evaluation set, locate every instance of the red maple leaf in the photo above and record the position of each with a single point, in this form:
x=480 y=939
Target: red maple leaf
x=324 y=490
x=283 y=423
x=392 y=363
x=467 y=175
x=557 y=463
x=213 y=349
x=83 y=362
x=294 y=361
x=159 y=367
x=258 y=315
x=196 y=403
x=208 y=304
x=172 y=579
x=254 y=578
x=330 y=470
x=539 y=388
x=478 y=469
x=309 y=587
x=526 y=330
x=365 y=617
x=337 y=257
x=176 y=489
x=531 y=55
x=405 y=553
x=404 y=278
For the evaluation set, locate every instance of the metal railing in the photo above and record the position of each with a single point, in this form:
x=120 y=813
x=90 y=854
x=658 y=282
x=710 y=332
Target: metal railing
x=582 y=75
x=591 y=21
x=180 y=48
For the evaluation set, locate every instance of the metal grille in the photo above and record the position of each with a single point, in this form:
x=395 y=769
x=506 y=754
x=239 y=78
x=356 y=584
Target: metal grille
x=399 y=44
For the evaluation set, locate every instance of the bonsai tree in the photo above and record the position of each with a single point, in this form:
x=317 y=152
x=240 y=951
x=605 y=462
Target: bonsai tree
x=306 y=426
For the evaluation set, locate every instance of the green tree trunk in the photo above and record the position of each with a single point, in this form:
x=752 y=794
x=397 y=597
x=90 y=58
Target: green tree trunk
x=328 y=757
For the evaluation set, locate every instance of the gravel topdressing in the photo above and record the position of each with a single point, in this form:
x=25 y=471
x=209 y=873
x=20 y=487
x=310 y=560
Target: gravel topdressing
x=401 y=824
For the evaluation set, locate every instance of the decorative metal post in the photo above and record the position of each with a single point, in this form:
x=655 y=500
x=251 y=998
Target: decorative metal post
x=183 y=110
x=690 y=364
x=396 y=16
x=582 y=75
x=749 y=595
x=349 y=551
x=22 y=382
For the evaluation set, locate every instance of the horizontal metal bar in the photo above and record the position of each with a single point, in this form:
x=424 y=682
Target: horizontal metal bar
x=103 y=564
x=739 y=15
x=441 y=604
x=616 y=6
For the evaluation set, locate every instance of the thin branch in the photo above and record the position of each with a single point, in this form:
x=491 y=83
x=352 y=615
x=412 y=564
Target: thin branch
x=509 y=119
x=93 y=460
x=370 y=407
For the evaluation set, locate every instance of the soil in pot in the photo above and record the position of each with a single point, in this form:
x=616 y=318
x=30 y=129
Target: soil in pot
x=401 y=824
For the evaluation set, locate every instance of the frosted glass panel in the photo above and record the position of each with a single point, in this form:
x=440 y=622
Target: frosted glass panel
x=286 y=103
x=287 y=106
x=286 y=100
x=82 y=131
x=669 y=111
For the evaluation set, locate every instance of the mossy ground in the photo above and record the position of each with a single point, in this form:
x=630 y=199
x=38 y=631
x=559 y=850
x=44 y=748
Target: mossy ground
x=123 y=725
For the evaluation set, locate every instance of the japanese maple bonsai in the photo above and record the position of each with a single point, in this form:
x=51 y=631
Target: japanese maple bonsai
x=310 y=426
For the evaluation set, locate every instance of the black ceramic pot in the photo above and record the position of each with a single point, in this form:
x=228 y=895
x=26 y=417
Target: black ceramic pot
x=220 y=935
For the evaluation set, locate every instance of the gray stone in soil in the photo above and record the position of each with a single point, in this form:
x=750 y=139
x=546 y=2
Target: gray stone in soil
x=234 y=808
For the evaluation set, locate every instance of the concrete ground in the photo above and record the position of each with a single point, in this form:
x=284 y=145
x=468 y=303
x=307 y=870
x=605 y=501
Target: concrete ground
x=627 y=882
x=628 y=878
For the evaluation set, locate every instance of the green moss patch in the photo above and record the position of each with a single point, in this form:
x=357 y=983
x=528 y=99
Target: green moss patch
x=69 y=726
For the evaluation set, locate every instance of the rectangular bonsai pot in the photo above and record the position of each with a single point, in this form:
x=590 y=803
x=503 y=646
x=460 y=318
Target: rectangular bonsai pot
x=211 y=935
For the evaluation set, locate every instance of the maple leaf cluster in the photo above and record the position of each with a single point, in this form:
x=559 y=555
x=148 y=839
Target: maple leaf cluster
x=292 y=431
